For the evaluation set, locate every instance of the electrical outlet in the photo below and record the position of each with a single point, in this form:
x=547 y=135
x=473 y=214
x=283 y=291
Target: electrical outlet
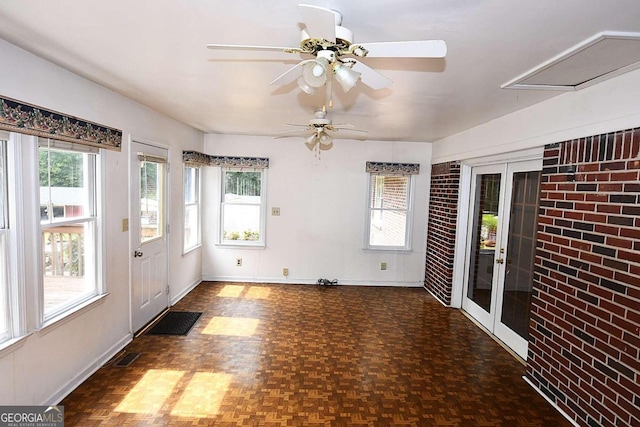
x=238 y=262
x=285 y=271
x=383 y=266
x=275 y=211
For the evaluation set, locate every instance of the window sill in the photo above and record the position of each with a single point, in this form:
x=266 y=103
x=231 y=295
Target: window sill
x=388 y=250
x=12 y=345
x=72 y=313
x=241 y=245
x=193 y=249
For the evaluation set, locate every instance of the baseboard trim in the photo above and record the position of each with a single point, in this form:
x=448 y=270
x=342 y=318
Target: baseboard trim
x=65 y=390
x=304 y=281
x=551 y=402
x=192 y=286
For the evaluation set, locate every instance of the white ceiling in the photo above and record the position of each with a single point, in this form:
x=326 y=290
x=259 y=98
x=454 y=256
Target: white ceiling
x=153 y=51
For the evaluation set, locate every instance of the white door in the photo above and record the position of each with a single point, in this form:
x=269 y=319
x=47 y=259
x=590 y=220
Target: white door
x=500 y=256
x=148 y=231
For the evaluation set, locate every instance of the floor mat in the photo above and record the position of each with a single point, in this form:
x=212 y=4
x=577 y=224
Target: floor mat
x=175 y=323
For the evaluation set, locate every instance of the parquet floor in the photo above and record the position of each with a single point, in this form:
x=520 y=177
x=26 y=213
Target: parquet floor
x=299 y=355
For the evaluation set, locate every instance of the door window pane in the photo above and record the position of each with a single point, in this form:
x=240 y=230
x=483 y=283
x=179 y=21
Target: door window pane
x=518 y=283
x=483 y=239
x=151 y=194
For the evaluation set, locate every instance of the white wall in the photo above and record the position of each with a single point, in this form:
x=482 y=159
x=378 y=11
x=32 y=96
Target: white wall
x=49 y=365
x=608 y=106
x=320 y=231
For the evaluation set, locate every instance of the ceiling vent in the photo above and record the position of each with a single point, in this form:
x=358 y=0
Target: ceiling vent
x=605 y=55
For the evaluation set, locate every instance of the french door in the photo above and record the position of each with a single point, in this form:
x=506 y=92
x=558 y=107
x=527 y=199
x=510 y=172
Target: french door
x=501 y=246
x=148 y=233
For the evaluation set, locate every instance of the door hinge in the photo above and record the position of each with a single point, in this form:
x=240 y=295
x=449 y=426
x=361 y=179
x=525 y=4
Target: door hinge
x=167 y=289
x=167 y=228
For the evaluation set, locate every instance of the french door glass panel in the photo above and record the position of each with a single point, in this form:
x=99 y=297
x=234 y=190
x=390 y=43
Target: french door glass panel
x=501 y=250
x=521 y=246
x=483 y=239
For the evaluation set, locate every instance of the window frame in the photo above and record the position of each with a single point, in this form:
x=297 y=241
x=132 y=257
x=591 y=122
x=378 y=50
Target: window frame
x=197 y=203
x=409 y=213
x=92 y=169
x=261 y=242
x=5 y=246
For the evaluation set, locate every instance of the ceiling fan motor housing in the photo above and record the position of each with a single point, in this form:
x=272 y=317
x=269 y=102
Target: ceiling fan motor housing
x=344 y=39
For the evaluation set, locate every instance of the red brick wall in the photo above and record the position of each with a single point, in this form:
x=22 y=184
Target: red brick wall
x=441 y=230
x=585 y=322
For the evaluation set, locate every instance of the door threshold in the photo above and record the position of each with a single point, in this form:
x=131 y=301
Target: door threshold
x=496 y=339
x=151 y=323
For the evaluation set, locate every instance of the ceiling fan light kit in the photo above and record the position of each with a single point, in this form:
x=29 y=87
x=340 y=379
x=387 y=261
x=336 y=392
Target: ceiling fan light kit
x=325 y=37
x=306 y=87
x=333 y=51
x=315 y=72
x=346 y=76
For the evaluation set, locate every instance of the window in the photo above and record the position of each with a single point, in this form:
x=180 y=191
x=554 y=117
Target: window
x=191 y=207
x=242 y=208
x=5 y=317
x=389 y=217
x=68 y=223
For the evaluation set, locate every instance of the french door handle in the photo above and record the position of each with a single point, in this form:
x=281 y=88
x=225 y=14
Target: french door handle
x=137 y=253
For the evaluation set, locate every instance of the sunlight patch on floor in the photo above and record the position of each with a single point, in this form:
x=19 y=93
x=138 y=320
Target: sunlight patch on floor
x=203 y=395
x=150 y=393
x=232 y=326
x=231 y=291
x=258 y=292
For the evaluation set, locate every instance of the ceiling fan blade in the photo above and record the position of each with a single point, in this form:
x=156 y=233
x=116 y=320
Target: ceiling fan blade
x=408 y=49
x=343 y=129
x=289 y=75
x=291 y=133
x=303 y=127
x=371 y=77
x=321 y=22
x=219 y=46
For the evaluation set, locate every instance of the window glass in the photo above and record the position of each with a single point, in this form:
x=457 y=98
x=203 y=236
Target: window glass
x=389 y=203
x=68 y=224
x=242 y=207
x=191 y=207
x=5 y=328
x=151 y=193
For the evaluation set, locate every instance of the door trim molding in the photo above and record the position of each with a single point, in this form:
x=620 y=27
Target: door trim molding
x=464 y=208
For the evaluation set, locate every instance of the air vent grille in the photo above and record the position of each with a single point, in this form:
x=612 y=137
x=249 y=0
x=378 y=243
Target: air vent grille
x=600 y=57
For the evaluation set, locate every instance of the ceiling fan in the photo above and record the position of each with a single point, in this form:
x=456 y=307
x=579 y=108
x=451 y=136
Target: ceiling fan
x=320 y=126
x=333 y=51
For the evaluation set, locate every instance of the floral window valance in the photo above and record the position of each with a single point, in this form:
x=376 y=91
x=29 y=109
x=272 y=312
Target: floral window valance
x=393 y=168
x=196 y=158
x=17 y=116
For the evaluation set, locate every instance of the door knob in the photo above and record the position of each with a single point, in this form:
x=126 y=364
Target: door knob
x=137 y=253
x=500 y=261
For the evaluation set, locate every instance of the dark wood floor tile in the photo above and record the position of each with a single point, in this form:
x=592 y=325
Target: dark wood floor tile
x=297 y=355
